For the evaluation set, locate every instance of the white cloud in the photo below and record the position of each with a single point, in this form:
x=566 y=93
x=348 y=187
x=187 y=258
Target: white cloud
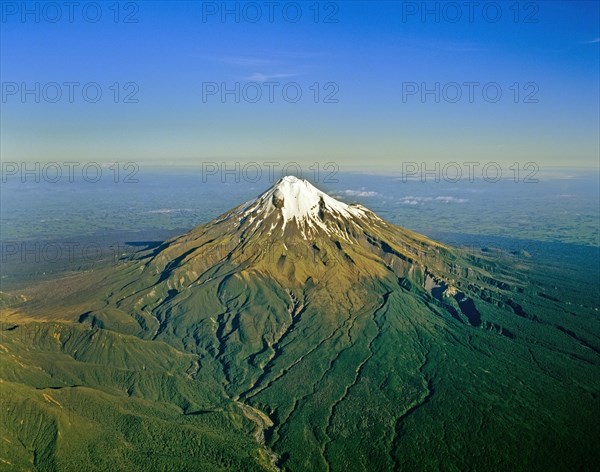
x=412 y=200
x=446 y=199
x=360 y=193
x=170 y=210
x=246 y=61
x=259 y=77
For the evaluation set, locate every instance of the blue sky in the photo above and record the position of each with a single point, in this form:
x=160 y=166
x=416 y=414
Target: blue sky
x=363 y=61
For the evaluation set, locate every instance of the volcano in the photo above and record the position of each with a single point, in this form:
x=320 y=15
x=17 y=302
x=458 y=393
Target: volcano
x=297 y=332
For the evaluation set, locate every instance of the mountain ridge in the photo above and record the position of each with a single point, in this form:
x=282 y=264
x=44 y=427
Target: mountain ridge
x=260 y=230
x=346 y=342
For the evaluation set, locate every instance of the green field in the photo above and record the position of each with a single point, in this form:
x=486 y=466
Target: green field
x=181 y=359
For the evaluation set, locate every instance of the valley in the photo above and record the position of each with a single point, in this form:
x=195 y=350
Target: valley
x=229 y=348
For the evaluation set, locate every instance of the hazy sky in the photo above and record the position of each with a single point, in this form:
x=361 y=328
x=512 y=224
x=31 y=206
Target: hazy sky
x=361 y=68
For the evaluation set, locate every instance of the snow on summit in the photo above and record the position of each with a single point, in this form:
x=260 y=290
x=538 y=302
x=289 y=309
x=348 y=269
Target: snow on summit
x=301 y=200
x=294 y=199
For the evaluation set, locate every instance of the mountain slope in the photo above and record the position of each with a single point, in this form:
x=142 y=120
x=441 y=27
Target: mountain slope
x=320 y=337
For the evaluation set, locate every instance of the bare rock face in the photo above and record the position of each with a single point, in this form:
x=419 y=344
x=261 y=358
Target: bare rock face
x=278 y=199
x=322 y=207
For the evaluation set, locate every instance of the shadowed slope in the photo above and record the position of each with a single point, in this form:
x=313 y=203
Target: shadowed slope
x=326 y=339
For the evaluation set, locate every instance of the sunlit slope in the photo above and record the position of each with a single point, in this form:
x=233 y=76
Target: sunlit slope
x=79 y=398
x=301 y=333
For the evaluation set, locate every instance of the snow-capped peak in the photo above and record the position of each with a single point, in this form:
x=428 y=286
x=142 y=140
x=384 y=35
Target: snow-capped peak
x=294 y=199
x=300 y=199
